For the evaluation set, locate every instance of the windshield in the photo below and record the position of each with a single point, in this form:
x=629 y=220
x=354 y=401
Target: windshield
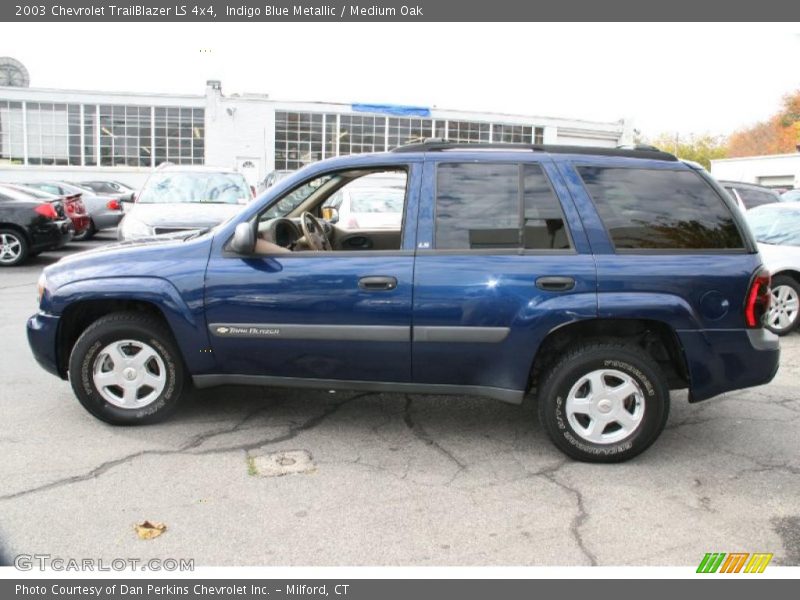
x=790 y=196
x=772 y=225
x=213 y=188
x=295 y=198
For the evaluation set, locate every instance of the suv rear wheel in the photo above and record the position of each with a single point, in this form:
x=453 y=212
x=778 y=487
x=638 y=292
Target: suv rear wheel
x=604 y=402
x=126 y=371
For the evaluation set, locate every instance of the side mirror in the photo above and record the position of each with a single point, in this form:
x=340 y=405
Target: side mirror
x=330 y=214
x=244 y=239
x=128 y=198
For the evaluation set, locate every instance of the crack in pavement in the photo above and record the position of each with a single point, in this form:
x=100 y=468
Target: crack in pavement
x=582 y=514
x=194 y=442
x=423 y=436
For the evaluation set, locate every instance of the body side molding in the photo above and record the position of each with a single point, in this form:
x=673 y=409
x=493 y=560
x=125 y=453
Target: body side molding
x=503 y=394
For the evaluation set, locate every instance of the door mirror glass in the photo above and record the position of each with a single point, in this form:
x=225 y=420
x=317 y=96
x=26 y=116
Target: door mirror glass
x=244 y=239
x=330 y=214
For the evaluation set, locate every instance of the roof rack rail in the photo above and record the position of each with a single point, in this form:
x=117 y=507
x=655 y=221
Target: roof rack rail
x=634 y=151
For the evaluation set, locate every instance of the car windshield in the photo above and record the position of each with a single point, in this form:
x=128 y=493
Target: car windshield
x=377 y=201
x=775 y=225
x=295 y=198
x=213 y=188
x=790 y=196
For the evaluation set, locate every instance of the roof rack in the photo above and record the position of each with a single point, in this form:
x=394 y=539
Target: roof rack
x=632 y=151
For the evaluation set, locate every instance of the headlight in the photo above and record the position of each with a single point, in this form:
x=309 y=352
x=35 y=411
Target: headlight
x=132 y=228
x=41 y=287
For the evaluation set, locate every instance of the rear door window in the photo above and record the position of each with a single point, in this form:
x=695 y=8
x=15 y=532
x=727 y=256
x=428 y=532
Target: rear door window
x=482 y=206
x=660 y=209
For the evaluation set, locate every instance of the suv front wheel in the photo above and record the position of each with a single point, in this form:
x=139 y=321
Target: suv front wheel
x=604 y=402
x=126 y=370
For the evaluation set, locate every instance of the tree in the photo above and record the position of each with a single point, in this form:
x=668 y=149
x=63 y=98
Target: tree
x=780 y=134
x=702 y=148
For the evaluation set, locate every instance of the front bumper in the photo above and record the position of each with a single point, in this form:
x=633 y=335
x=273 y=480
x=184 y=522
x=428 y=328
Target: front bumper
x=42 y=335
x=720 y=361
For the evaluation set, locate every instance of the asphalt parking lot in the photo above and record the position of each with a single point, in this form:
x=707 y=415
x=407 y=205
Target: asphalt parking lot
x=381 y=479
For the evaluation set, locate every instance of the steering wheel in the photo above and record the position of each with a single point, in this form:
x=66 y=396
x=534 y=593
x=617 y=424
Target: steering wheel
x=314 y=232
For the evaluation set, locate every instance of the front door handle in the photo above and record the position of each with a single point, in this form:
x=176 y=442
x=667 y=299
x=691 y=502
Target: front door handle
x=555 y=284
x=377 y=283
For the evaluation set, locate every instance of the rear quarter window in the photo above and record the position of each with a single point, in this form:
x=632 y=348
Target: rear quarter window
x=657 y=209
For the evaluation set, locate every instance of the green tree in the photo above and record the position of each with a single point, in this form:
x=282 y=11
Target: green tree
x=702 y=148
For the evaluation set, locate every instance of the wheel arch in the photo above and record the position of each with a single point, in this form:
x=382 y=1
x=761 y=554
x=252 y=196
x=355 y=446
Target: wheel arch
x=81 y=303
x=655 y=337
x=17 y=228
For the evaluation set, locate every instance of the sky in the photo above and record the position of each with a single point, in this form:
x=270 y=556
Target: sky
x=668 y=78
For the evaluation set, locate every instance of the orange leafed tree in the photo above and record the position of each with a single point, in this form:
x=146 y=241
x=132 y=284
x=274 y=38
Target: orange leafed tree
x=780 y=134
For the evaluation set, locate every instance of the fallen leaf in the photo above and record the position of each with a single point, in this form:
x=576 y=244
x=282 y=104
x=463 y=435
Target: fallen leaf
x=147 y=530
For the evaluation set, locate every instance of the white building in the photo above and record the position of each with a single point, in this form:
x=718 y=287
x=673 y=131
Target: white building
x=776 y=170
x=73 y=135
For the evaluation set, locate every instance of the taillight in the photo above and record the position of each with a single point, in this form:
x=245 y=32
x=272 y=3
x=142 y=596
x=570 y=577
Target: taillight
x=112 y=205
x=70 y=208
x=47 y=211
x=758 y=299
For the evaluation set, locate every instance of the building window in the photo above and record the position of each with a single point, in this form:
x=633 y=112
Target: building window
x=468 y=132
x=408 y=131
x=11 y=133
x=299 y=138
x=53 y=133
x=90 y=135
x=511 y=134
x=361 y=133
x=538 y=135
x=179 y=136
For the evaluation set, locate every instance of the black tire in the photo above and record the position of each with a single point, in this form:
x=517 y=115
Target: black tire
x=20 y=247
x=126 y=326
x=789 y=282
x=579 y=361
x=86 y=234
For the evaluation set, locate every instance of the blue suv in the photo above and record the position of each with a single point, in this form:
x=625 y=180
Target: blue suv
x=596 y=280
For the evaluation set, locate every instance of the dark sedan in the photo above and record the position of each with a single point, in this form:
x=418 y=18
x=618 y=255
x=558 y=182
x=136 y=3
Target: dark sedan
x=29 y=226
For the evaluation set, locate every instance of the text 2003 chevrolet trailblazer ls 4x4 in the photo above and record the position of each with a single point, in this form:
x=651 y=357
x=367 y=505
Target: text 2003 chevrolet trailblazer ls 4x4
x=597 y=279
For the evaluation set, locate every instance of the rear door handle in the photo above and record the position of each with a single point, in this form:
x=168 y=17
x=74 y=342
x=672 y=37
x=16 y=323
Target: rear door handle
x=555 y=284
x=377 y=283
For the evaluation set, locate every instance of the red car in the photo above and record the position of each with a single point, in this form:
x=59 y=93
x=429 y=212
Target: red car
x=73 y=205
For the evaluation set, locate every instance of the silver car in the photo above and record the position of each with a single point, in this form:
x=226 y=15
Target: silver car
x=182 y=198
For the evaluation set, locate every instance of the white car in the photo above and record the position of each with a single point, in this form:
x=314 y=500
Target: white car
x=777 y=230
x=182 y=198
x=374 y=202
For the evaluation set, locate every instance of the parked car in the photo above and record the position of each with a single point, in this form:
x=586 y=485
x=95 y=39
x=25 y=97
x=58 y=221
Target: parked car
x=368 y=208
x=115 y=189
x=72 y=203
x=776 y=227
x=790 y=196
x=750 y=195
x=272 y=178
x=105 y=212
x=29 y=226
x=181 y=198
x=596 y=279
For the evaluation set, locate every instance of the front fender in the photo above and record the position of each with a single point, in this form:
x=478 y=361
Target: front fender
x=186 y=322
